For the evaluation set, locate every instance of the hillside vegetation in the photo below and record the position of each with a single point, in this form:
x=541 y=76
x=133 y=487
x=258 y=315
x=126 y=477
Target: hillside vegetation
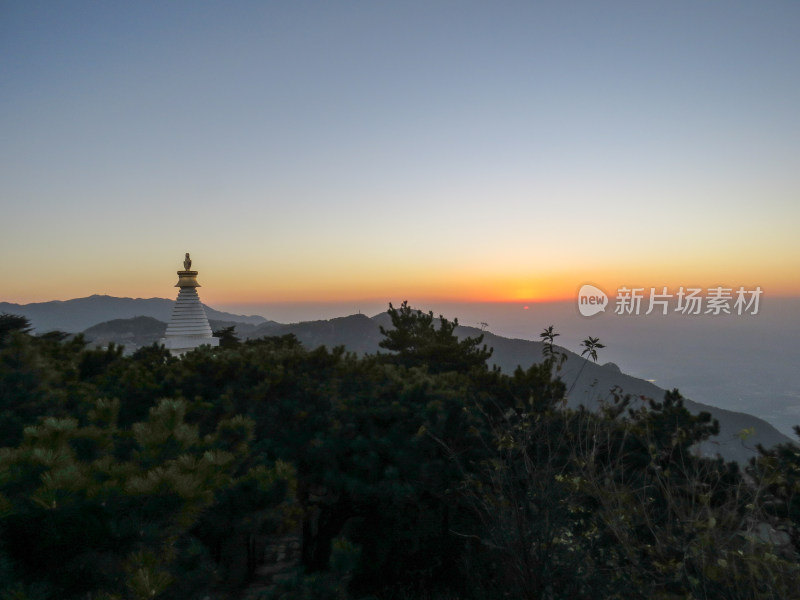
x=416 y=472
x=590 y=383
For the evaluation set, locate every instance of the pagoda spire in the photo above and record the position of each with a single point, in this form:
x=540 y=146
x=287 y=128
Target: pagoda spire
x=188 y=327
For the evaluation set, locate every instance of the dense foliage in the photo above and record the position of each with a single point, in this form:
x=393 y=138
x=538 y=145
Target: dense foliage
x=417 y=473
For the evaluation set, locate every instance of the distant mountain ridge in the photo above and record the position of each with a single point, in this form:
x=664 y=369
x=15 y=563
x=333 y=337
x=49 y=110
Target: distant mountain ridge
x=137 y=332
x=74 y=316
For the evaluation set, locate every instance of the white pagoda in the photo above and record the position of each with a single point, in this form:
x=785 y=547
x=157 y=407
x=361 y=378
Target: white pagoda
x=188 y=327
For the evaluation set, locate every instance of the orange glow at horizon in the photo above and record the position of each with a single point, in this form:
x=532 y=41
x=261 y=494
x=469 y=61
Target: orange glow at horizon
x=225 y=281
x=491 y=291
x=214 y=291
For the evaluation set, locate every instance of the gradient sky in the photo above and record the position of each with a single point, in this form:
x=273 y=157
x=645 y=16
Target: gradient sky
x=335 y=151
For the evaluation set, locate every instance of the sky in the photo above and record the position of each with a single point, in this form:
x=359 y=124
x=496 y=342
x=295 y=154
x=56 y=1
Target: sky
x=366 y=152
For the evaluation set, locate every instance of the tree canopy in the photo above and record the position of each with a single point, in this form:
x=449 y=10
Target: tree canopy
x=416 y=341
x=418 y=473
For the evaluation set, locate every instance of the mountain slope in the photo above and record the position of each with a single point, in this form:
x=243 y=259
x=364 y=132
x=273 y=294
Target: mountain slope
x=357 y=333
x=132 y=333
x=136 y=332
x=79 y=314
x=589 y=383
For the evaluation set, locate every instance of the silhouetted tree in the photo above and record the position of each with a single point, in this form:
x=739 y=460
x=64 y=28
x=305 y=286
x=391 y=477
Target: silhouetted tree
x=227 y=337
x=416 y=341
x=9 y=323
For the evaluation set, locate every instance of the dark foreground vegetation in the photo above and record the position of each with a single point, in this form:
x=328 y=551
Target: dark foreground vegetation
x=416 y=473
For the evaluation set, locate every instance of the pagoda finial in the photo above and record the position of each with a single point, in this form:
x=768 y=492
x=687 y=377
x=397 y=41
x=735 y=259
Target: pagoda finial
x=187 y=277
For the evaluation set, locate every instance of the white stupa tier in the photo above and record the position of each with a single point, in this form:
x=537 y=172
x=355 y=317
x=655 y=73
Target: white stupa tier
x=188 y=327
